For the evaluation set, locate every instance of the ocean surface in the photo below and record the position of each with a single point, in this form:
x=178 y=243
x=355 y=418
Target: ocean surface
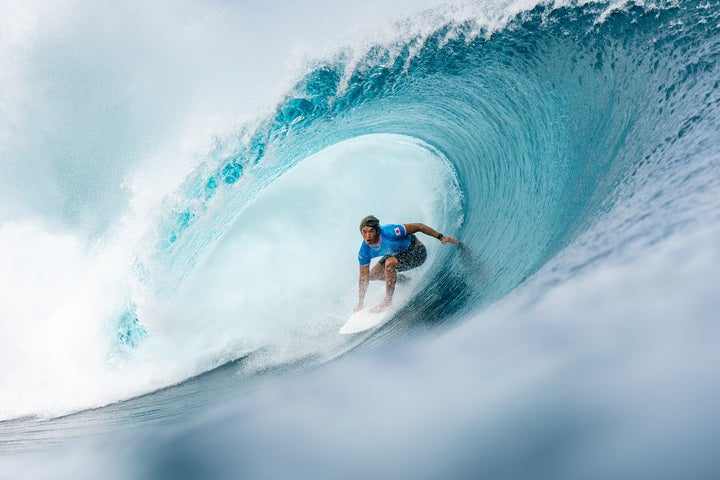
x=180 y=190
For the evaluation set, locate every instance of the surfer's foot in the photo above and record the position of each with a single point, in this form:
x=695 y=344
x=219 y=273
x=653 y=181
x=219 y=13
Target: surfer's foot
x=402 y=278
x=383 y=306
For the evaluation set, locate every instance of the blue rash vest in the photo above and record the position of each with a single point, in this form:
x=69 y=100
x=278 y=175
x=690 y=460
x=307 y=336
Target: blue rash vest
x=393 y=240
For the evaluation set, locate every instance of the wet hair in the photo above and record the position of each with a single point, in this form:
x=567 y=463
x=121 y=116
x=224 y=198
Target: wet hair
x=370 y=221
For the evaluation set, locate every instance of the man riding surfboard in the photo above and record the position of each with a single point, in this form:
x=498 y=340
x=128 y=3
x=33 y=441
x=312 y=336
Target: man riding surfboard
x=400 y=251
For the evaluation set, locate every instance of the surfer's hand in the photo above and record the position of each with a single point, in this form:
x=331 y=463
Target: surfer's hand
x=445 y=240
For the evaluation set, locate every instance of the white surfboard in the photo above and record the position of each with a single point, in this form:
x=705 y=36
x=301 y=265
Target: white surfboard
x=365 y=320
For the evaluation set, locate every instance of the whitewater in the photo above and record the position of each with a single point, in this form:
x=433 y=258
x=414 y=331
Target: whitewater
x=180 y=190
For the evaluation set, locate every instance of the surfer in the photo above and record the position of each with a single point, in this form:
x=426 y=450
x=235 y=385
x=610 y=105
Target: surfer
x=400 y=251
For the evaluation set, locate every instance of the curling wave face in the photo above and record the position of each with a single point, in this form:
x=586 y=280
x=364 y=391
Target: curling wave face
x=547 y=124
x=567 y=133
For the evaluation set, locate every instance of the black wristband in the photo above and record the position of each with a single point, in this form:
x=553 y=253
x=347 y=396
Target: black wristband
x=439 y=236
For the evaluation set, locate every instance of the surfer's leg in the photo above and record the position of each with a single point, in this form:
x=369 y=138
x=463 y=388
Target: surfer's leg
x=389 y=273
x=378 y=271
x=390 y=279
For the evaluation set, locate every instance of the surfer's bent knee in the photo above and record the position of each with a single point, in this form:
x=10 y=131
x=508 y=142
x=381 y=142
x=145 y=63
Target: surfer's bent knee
x=391 y=262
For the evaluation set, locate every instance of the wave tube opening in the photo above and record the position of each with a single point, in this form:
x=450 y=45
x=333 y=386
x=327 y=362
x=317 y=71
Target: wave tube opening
x=283 y=277
x=276 y=286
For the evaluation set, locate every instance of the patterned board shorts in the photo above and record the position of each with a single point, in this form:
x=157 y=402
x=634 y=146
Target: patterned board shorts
x=411 y=258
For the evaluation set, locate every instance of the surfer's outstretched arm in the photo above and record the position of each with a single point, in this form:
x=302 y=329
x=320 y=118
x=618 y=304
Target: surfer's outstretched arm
x=421 y=227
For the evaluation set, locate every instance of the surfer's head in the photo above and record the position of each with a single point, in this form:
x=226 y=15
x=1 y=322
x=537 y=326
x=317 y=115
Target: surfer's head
x=369 y=229
x=370 y=221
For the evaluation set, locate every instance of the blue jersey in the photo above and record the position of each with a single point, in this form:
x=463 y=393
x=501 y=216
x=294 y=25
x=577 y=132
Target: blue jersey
x=393 y=240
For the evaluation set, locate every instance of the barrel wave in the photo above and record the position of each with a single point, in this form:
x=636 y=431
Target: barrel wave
x=571 y=147
x=547 y=124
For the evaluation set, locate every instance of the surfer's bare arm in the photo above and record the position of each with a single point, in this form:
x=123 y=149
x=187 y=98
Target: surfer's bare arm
x=411 y=228
x=363 y=282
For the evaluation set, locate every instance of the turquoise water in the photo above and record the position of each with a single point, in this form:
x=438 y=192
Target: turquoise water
x=573 y=149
